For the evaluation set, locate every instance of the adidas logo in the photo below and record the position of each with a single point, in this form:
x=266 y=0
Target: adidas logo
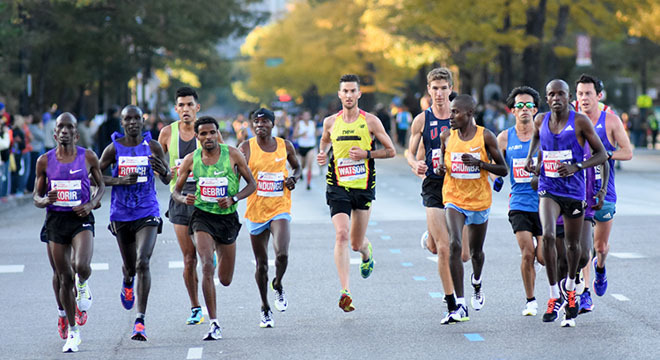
x=607 y=216
x=577 y=212
x=569 y=128
x=600 y=126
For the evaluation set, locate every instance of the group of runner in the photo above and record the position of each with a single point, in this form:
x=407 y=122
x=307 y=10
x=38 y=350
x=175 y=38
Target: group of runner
x=453 y=155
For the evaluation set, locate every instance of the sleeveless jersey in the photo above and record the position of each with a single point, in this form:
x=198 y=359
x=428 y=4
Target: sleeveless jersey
x=69 y=179
x=214 y=182
x=433 y=127
x=137 y=201
x=342 y=171
x=602 y=133
x=308 y=137
x=269 y=170
x=178 y=149
x=561 y=148
x=522 y=196
x=466 y=186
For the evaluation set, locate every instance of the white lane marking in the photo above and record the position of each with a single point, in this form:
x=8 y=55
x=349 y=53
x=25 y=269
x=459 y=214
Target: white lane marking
x=627 y=255
x=99 y=266
x=378 y=230
x=271 y=262
x=195 y=353
x=620 y=297
x=433 y=258
x=11 y=268
x=175 y=264
x=216 y=281
x=386 y=237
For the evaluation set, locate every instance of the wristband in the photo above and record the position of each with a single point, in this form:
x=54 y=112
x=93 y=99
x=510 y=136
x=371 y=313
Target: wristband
x=368 y=154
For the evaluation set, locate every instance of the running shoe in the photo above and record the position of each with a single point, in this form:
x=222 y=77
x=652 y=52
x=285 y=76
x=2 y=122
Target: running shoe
x=586 y=305
x=196 y=317
x=531 y=308
x=267 y=319
x=478 y=297
x=84 y=298
x=72 y=341
x=579 y=283
x=367 y=267
x=600 y=280
x=562 y=289
x=81 y=317
x=215 y=259
x=138 y=331
x=537 y=266
x=554 y=306
x=445 y=320
x=62 y=327
x=459 y=315
x=215 y=332
x=423 y=240
x=572 y=305
x=346 y=301
x=127 y=296
x=281 y=304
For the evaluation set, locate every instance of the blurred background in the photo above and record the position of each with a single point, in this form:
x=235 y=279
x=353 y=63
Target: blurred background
x=92 y=57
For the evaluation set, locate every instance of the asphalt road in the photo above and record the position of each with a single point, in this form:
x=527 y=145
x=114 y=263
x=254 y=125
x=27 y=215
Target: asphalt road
x=398 y=308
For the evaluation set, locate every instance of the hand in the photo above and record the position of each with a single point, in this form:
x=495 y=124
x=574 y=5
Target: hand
x=225 y=202
x=93 y=190
x=52 y=197
x=420 y=168
x=470 y=160
x=129 y=179
x=565 y=170
x=190 y=199
x=158 y=165
x=290 y=183
x=356 y=153
x=440 y=170
x=322 y=158
x=531 y=168
x=83 y=210
x=600 y=199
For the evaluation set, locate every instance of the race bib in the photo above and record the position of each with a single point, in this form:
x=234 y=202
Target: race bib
x=211 y=189
x=348 y=169
x=520 y=175
x=552 y=159
x=598 y=173
x=461 y=171
x=178 y=162
x=69 y=192
x=270 y=184
x=134 y=164
x=435 y=158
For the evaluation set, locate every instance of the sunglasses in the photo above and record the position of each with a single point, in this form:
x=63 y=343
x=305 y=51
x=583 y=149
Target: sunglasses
x=529 y=105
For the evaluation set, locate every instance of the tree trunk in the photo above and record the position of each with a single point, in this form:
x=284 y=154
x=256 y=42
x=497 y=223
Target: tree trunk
x=552 y=66
x=505 y=54
x=532 y=54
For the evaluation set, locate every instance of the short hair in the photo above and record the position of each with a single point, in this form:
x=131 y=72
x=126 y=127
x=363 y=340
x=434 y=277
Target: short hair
x=440 y=73
x=511 y=100
x=132 y=107
x=586 y=79
x=349 y=78
x=186 y=91
x=466 y=101
x=205 y=120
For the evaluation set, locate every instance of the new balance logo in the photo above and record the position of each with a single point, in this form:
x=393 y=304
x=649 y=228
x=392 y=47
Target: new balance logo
x=569 y=128
x=74 y=171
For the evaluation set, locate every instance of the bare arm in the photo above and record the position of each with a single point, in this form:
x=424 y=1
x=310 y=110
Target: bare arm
x=159 y=162
x=499 y=167
x=184 y=171
x=107 y=159
x=95 y=171
x=586 y=128
x=444 y=136
x=295 y=165
x=419 y=167
x=621 y=140
x=326 y=142
x=251 y=185
x=376 y=128
x=244 y=147
x=533 y=147
x=502 y=139
x=39 y=195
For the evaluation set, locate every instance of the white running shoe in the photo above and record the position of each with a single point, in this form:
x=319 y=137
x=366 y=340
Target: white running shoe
x=215 y=332
x=478 y=297
x=531 y=308
x=537 y=266
x=267 y=319
x=281 y=304
x=72 y=341
x=424 y=239
x=84 y=298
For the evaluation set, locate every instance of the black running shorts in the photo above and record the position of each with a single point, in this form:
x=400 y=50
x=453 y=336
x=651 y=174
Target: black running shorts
x=128 y=229
x=569 y=207
x=223 y=228
x=432 y=193
x=344 y=200
x=179 y=213
x=304 y=150
x=525 y=221
x=63 y=226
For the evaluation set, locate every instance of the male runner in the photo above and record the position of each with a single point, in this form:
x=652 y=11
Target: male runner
x=269 y=208
x=214 y=220
x=305 y=135
x=134 y=212
x=610 y=129
x=178 y=140
x=523 y=200
x=427 y=126
x=62 y=186
x=351 y=178
x=561 y=135
x=465 y=158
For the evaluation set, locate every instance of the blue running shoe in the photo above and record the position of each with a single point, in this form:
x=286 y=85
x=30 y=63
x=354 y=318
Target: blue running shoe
x=197 y=317
x=586 y=305
x=367 y=267
x=139 y=333
x=127 y=296
x=600 y=280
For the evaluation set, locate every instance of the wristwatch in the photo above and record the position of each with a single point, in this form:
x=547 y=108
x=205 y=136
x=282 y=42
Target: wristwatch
x=234 y=199
x=579 y=165
x=609 y=155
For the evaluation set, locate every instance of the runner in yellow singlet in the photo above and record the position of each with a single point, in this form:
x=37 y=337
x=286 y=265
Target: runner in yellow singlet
x=351 y=178
x=269 y=208
x=466 y=151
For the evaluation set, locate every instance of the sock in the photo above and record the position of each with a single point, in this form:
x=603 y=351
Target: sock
x=128 y=284
x=61 y=313
x=554 y=291
x=140 y=316
x=82 y=284
x=531 y=299
x=214 y=321
x=586 y=290
x=475 y=281
x=599 y=269
x=570 y=284
x=460 y=301
x=451 y=302
x=73 y=328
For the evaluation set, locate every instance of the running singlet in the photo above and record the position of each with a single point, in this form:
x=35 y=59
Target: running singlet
x=602 y=133
x=522 y=196
x=433 y=127
x=269 y=170
x=137 y=201
x=342 y=171
x=466 y=186
x=308 y=137
x=69 y=179
x=557 y=149
x=178 y=149
x=214 y=182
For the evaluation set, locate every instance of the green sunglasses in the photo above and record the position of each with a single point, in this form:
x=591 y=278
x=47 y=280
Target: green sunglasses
x=529 y=105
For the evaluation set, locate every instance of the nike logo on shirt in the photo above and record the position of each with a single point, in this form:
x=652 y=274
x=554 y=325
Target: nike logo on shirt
x=218 y=173
x=475 y=149
x=74 y=171
x=279 y=159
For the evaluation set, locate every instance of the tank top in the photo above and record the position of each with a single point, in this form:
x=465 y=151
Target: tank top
x=137 y=201
x=602 y=133
x=214 y=182
x=561 y=148
x=71 y=181
x=522 y=196
x=308 y=134
x=178 y=149
x=269 y=170
x=433 y=127
x=466 y=186
x=342 y=171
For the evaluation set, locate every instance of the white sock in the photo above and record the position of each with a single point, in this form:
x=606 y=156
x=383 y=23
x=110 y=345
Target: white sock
x=475 y=281
x=570 y=284
x=554 y=291
x=73 y=328
x=214 y=321
x=460 y=301
x=61 y=313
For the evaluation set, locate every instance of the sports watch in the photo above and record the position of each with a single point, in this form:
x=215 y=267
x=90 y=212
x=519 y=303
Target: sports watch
x=234 y=199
